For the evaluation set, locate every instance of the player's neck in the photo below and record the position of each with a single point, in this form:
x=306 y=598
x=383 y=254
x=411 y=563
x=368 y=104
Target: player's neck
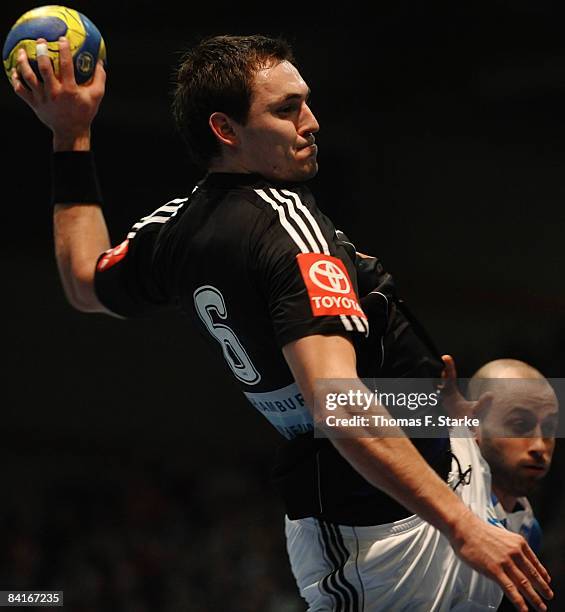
x=507 y=501
x=227 y=164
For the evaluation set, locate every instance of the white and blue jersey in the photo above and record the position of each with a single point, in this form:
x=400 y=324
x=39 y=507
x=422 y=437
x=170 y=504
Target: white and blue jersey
x=521 y=520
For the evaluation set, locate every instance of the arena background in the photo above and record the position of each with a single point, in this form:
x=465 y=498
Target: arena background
x=134 y=476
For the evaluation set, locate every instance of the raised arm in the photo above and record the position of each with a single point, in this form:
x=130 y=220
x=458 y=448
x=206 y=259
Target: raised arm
x=394 y=465
x=68 y=110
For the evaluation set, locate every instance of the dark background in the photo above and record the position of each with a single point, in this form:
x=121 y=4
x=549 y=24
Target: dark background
x=125 y=447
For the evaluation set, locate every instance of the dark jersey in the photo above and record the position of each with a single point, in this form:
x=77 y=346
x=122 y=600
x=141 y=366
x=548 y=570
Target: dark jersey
x=256 y=265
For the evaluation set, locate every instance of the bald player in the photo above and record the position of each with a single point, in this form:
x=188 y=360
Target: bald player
x=518 y=422
x=525 y=408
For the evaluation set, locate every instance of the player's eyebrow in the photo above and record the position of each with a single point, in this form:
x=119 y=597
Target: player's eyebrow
x=520 y=411
x=292 y=96
x=525 y=412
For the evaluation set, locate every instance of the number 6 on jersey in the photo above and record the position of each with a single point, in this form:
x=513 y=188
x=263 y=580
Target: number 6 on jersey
x=208 y=300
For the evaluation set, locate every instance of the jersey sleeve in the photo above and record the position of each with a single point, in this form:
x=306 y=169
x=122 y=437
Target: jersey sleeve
x=307 y=280
x=126 y=279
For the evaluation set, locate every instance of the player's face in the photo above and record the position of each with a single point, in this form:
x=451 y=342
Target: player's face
x=278 y=138
x=527 y=410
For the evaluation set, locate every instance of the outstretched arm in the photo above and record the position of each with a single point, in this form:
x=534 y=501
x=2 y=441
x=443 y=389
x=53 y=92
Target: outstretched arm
x=452 y=399
x=454 y=402
x=394 y=465
x=68 y=110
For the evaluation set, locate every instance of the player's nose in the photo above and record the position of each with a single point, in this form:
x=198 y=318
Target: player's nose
x=308 y=122
x=538 y=446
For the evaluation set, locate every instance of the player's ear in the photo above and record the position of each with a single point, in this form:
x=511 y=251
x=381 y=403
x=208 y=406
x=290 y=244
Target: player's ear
x=223 y=129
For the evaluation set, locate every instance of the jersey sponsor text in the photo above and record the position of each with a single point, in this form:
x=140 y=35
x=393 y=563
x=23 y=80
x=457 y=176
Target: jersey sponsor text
x=329 y=287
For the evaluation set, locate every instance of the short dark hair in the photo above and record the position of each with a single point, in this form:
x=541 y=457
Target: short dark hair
x=216 y=75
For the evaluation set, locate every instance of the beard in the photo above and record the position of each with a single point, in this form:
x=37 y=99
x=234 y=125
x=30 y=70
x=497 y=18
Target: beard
x=506 y=477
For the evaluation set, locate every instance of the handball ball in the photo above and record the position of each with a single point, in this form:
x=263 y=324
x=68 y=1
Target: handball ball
x=51 y=22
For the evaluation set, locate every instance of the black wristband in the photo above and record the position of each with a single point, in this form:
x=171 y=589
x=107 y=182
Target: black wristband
x=74 y=178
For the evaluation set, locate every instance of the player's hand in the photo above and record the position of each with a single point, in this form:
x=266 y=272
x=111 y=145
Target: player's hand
x=506 y=558
x=63 y=106
x=453 y=401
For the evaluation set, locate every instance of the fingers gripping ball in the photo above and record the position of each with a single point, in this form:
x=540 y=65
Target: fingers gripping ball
x=50 y=22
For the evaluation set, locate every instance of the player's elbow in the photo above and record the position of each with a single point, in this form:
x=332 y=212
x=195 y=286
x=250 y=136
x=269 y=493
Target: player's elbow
x=80 y=291
x=83 y=304
x=83 y=301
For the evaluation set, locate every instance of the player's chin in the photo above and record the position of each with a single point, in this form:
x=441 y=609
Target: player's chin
x=528 y=484
x=308 y=169
x=534 y=474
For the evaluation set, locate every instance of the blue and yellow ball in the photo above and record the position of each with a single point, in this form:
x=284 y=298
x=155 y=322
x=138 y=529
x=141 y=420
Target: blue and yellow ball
x=51 y=22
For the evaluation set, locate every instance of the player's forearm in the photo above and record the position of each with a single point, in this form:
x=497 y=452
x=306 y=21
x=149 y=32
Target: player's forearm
x=394 y=465
x=80 y=232
x=384 y=456
x=75 y=140
x=387 y=459
x=81 y=236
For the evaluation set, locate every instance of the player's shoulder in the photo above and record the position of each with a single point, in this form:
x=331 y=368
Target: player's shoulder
x=158 y=218
x=292 y=196
x=260 y=207
x=255 y=190
x=291 y=221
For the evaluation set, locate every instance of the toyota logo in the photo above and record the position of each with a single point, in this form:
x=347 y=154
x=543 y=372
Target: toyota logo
x=330 y=277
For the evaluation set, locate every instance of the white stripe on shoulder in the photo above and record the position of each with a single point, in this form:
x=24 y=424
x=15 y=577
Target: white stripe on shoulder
x=346 y=322
x=295 y=216
x=361 y=324
x=284 y=221
x=170 y=209
x=156 y=218
x=310 y=218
